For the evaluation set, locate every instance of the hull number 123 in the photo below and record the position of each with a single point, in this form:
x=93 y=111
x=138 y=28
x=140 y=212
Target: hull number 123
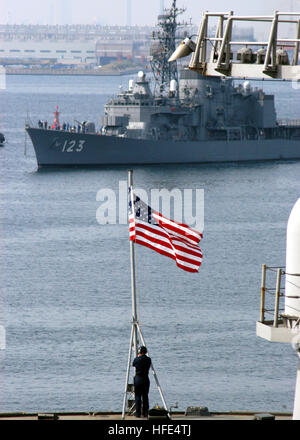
x=73 y=146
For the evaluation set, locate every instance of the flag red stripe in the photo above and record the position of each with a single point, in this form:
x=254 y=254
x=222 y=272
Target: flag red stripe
x=161 y=251
x=188 y=269
x=179 y=224
x=187 y=260
x=154 y=240
x=180 y=232
x=184 y=242
x=155 y=229
x=179 y=227
x=158 y=242
x=182 y=249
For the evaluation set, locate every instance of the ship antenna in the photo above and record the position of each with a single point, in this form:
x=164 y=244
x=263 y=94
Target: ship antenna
x=163 y=46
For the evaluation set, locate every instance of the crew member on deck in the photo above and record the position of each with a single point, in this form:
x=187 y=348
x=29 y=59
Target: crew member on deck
x=142 y=365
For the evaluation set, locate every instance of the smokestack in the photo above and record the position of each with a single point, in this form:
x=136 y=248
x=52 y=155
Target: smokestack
x=128 y=20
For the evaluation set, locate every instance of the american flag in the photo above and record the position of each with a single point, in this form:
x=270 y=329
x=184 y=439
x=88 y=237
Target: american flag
x=177 y=241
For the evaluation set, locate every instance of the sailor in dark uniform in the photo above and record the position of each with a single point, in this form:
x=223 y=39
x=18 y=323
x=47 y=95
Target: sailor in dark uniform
x=142 y=365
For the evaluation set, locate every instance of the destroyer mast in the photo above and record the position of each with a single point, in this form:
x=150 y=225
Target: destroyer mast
x=163 y=46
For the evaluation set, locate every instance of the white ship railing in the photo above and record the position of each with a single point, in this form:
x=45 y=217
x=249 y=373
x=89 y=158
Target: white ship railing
x=275 y=293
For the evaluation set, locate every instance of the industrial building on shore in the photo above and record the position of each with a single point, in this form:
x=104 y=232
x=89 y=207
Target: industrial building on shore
x=85 y=46
x=73 y=45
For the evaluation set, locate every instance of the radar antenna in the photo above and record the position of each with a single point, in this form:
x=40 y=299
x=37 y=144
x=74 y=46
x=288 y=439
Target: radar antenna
x=163 y=46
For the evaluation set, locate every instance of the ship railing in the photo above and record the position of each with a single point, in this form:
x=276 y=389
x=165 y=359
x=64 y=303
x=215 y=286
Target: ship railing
x=272 y=290
x=68 y=129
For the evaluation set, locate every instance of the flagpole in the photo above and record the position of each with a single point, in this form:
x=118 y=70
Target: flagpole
x=134 y=331
x=133 y=278
x=135 y=327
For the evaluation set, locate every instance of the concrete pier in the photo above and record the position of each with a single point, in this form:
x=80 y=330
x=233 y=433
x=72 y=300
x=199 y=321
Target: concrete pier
x=176 y=416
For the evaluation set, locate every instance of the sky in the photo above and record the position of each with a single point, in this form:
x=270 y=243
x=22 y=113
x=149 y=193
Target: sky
x=113 y=12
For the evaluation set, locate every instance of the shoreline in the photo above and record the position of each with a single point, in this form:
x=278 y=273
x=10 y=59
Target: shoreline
x=72 y=72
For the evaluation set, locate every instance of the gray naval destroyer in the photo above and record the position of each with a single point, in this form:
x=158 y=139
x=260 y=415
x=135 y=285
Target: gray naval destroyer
x=195 y=119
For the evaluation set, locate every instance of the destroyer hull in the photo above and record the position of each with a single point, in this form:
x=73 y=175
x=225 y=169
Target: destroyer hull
x=60 y=148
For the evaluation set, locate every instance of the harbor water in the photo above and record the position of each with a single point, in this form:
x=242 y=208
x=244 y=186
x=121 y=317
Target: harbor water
x=65 y=292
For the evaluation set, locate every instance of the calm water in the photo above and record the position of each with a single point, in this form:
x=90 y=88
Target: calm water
x=65 y=296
